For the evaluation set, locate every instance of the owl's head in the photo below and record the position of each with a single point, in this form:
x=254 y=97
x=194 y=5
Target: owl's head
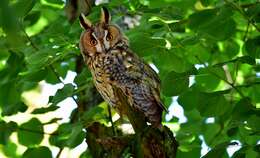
x=100 y=37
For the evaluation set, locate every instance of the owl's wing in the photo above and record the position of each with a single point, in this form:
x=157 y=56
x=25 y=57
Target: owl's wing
x=144 y=79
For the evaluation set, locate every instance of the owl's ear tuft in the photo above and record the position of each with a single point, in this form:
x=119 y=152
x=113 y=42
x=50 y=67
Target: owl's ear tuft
x=84 y=22
x=105 y=16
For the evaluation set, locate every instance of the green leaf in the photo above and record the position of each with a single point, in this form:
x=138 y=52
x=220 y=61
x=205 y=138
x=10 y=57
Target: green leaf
x=193 y=153
x=243 y=109
x=169 y=61
x=32 y=18
x=45 y=109
x=55 y=1
x=6 y=130
x=69 y=135
x=10 y=24
x=63 y=133
x=217 y=152
x=10 y=150
x=40 y=152
x=252 y=47
x=38 y=59
x=76 y=137
x=23 y=7
x=231 y=48
x=189 y=99
x=210 y=131
x=212 y=104
x=35 y=76
x=82 y=78
x=253 y=122
x=216 y=24
x=30 y=133
x=197 y=53
x=91 y=114
x=144 y=45
x=175 y=83
x=11 y=109
x=209 y=78
x=61 y=94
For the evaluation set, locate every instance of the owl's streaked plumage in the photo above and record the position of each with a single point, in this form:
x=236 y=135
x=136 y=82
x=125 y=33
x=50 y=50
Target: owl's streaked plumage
x=114 y=66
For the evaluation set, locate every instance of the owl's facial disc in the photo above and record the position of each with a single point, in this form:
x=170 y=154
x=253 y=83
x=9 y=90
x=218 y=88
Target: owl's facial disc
x=105 y=37
x=100 y=36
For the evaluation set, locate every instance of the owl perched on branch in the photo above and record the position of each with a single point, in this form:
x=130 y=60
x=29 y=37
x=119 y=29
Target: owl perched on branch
x=114 y=66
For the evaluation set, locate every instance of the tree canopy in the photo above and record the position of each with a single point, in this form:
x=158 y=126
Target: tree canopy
x=207 y=53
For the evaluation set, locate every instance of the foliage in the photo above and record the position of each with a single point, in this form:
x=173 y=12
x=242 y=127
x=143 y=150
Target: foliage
x=207 y=53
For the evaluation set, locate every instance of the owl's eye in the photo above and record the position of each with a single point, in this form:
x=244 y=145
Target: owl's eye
x=93 y=42
x=109 y=37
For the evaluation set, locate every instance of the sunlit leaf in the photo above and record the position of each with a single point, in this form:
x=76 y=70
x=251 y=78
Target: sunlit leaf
x=41 y=151
x=30 y=133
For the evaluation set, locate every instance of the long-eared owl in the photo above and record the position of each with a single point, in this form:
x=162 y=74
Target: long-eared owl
x=114 y=65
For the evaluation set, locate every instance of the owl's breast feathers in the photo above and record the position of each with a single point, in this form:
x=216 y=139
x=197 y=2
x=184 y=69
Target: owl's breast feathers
x=120 y=68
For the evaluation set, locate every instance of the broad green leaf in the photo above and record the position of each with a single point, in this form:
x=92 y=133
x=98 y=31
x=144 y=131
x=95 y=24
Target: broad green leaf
x=41 y=152
x=212 y=104
x=90 y=114
x=23 y=7
x=216 y=24
x=69 y=135
x=193 y=153
x=32 y=18
x=76 y=137
x=44 y=110
x=169 y=61
x=6 y=130
x=231 y=48
x=189 y=99
x=252 y=47
x=61 y=136
x=61 y=94
x=144 y=45
x=196 y=53
x=209 y=132
x=55 y=1
x=11 y=109
x=209 y=78
x=35 y=76
x=10 y=24
x=30 y=133
x=82 y=78
x=175 y=83
x=10 y=150
x=243 y=109
x=253 y=122
x=218 y=152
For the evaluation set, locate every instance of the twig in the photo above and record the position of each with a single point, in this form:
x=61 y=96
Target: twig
x=59 y=153
x=111 y=120
x=247 y=29
x=28 y=38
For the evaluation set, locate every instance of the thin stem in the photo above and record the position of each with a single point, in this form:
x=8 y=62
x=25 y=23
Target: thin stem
x=59 y=153
x=28 y=38
x=247 y=29
x=110 y=119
